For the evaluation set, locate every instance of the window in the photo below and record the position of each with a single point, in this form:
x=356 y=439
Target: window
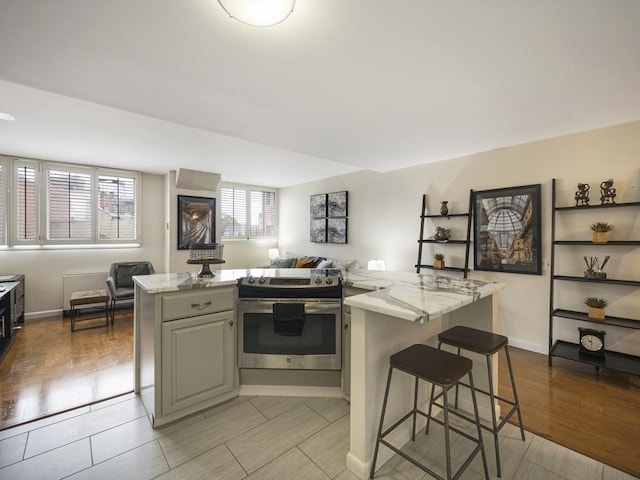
x=69 y=195
x=116 y=207
x=26 y=198
x=240 y=203
x=71 y=204
x=2 y=202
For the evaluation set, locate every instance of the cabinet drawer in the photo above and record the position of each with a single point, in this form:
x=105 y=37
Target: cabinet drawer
x=200 y=302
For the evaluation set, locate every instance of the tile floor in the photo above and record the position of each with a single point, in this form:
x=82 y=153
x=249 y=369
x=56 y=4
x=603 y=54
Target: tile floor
x=265 y=438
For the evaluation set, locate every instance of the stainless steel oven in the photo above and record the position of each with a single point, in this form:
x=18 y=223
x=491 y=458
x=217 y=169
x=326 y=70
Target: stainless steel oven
x=290 y=323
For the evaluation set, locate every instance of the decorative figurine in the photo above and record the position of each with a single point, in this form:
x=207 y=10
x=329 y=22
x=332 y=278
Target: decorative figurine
x=444 y=210
x=594 y=270
x=441 y=234
x=607 y=193
x=582 y=195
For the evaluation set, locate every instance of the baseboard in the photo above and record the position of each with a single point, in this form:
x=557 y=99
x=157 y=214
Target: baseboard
x=43 y=314
x=289 y=391
x=532 y=347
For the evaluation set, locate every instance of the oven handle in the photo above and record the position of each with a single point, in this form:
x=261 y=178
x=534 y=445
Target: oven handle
x=312 y=305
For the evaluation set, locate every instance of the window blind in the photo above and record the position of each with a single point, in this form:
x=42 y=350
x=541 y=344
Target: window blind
x=2 y=207
x=263 y=214
x=116 y=207
x=233 y=207
x=26 y=203
x=69 y=196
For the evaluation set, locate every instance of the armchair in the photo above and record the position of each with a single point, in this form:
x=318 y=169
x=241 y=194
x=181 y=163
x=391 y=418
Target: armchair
x=120 y=282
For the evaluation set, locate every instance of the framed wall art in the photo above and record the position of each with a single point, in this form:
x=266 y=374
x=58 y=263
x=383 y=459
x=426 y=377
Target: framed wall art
x=318 y=230
x=337 y=230
x=318 y=206
x=196 y=221
x=507 y=230
x=337 y=204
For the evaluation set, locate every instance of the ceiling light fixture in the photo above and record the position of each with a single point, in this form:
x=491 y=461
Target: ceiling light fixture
x=258 y=13
x=7 y=116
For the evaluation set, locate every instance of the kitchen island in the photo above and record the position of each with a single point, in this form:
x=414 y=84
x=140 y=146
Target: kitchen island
x=185 y=336
x=403 y=309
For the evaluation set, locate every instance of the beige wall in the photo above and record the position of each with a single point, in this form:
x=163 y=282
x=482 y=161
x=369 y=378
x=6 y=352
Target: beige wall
x=44 y=267
x=384 y=213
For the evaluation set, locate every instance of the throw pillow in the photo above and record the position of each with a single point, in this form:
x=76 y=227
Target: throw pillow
x=283 y=262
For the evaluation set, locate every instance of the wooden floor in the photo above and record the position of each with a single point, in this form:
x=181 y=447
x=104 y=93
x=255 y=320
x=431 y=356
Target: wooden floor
x=597 y=414
x=49 y=370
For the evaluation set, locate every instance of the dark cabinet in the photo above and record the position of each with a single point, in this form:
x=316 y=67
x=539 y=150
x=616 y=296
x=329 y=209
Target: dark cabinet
x=11 y=309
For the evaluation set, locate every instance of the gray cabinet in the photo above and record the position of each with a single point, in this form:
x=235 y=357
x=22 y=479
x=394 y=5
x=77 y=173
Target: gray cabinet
x=186 y=348
x=198 y=360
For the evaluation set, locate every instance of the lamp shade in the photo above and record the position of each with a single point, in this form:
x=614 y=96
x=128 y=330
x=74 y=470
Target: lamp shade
x=258 y=13
x=376 y=265
x=273 y=253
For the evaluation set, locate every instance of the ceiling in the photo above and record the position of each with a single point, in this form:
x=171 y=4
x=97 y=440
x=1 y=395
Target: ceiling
x=341 y=85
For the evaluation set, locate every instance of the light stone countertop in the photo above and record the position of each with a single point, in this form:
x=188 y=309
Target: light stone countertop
x=406 y=295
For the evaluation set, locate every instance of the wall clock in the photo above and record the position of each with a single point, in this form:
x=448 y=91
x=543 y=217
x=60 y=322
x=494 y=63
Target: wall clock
x=591 y=341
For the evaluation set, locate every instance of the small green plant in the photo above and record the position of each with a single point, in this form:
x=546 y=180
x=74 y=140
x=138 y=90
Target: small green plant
x=601 y=227
x=595 y=302
x=438 y=256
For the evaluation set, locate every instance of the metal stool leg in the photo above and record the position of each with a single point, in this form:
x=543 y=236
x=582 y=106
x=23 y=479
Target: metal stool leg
x=447 y=445
x=433 y=391
x=494 y=423
x=479 y=427
x=515 y=393
x=384 y=407
x=415 y=409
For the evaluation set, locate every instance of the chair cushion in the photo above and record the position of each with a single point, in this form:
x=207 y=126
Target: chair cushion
x=124 y=272
x=123 y=293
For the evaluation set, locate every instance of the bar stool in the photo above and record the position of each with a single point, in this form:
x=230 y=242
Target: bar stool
x=484 y=343
x=445 y=370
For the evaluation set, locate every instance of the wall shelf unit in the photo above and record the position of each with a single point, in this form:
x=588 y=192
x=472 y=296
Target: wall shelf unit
x=424 y=218
x=562 y=349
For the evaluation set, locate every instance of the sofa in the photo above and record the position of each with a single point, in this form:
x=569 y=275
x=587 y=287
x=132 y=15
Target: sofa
x=295 y=260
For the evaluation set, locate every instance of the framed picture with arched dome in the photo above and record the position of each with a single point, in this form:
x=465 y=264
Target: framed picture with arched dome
x=507 y=230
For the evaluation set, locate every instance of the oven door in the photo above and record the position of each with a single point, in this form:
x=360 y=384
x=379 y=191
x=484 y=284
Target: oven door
x=313 y=342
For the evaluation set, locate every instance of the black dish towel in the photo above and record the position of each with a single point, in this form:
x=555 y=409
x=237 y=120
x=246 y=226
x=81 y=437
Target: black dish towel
x=288 y=319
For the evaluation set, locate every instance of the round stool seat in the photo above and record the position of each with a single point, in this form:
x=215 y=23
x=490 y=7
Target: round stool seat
x=473 y=340
x=432 y=365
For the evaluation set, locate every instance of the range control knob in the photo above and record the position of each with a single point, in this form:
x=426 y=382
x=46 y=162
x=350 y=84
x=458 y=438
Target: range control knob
x=328 y=280
x=251 y=280
x=318 y=280
x=261 y=280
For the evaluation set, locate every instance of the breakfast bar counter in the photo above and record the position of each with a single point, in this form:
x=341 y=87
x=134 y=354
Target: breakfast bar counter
x=399 y=310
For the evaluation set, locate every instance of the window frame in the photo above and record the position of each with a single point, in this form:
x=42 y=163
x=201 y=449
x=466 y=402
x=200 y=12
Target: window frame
x=248 y=189
x=4 y=194
x=41 y=168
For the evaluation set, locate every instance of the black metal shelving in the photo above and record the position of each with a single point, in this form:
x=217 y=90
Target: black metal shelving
x=558 y=348
x=612 y=360
x=467 y=241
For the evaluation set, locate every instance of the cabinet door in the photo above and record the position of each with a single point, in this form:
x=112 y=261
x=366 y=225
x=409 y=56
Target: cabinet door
x=198 y=358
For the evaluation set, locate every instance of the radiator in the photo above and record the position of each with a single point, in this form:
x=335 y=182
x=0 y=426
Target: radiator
x=78 y=282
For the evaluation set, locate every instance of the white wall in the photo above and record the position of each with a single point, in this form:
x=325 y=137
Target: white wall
x=44 y=267
x=384 y=211
x=236 y=253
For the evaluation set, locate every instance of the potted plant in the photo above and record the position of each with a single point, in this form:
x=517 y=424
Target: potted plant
x=438 y=261
x=601 y=232
x=596 y=307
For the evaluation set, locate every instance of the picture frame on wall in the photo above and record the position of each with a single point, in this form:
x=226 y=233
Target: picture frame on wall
x=508 y=229
x=337 y=203
x=337 y=230
x=318 y=205
x=318 y=230
x=196 y=221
